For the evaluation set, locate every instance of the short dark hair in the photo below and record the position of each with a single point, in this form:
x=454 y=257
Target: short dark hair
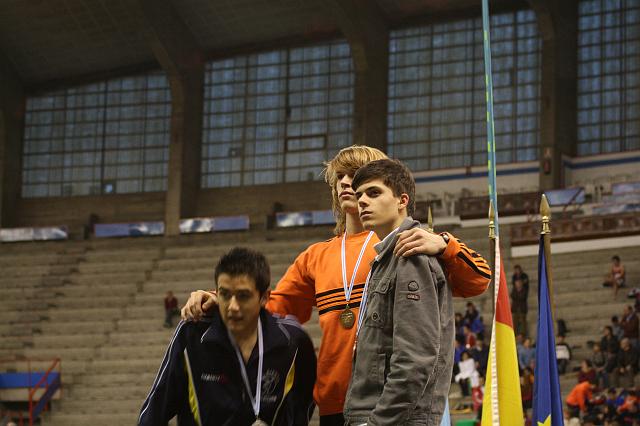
x=244 y=261
x=616 y=257
x=393 y=174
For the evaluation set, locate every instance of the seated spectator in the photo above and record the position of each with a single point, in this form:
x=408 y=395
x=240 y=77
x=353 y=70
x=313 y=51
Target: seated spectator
x=586 y=373
x=469 y=337
x=526 y=355
x=480 y=353
x=170 y=309
x=519 y=307
x=579 y=399
x=519 y=274
x=626 y=365
x=611 y=404
x=526 y=387
x=609 y=345
x=628 y=413
x=616 y=276
x=470 y=314
x=563 y=354
x=477 y=326
x=468 y=376
x=630 y=325
x=459 y=321
x=599 y=361
x=616 y=328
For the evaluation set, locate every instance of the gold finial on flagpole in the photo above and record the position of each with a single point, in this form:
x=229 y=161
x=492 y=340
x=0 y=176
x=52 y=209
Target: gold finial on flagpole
x=429 y=220
x=545 y=216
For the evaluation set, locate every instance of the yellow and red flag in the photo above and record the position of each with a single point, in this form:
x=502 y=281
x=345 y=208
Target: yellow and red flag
x=502 y=404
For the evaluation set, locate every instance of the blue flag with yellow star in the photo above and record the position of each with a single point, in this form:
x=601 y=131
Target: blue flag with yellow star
x=547 y=401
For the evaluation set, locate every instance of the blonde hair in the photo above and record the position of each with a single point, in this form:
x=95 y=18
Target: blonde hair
x=347 y=161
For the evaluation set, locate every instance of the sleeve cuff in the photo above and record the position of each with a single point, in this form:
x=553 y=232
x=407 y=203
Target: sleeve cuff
x=452 y=248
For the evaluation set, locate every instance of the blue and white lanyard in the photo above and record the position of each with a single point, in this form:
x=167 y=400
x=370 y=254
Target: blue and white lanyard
x=343 y=260
x=255 y=402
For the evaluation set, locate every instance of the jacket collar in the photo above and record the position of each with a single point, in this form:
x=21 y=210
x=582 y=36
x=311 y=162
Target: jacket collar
x=274 y=334
x=386 y=246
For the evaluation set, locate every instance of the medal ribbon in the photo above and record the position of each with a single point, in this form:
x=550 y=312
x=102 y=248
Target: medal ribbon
x=343 y=261
x=255 y=402
x=363 y=305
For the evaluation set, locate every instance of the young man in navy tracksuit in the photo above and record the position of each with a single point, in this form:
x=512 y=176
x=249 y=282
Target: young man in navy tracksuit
x=241 y=367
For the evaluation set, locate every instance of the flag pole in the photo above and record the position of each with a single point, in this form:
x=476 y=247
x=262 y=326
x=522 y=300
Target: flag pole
x=545 y=214
x=492 y=250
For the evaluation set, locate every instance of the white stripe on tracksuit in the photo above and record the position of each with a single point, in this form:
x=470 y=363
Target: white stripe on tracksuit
x=161 y=370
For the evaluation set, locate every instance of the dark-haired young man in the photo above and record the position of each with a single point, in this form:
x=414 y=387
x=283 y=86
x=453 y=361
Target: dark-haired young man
x=404 y=345
x=242 y=366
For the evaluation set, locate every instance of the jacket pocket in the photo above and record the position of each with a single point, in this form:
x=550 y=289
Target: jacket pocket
x=379 y=304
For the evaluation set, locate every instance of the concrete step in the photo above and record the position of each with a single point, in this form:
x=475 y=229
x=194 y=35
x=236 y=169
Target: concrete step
x=91 y=301
x=87 y=392
x=107 y=378
x=144 y=337
x=266 y=247
x=124 y=366
x=108 y=277
x=152 y=353
x=123 y=266
x=69 y=341
x=72 y=314
x=76 y=354
x=94 y=419
x=94 y=290
x=119 y=406
x=126 y=254
x=90 y=326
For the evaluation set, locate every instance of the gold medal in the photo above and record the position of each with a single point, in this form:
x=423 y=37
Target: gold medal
x=259 y=422
x=347 y=318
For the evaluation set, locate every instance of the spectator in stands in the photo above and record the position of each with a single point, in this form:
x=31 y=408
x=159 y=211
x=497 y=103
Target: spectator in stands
x=170 y=309
x=630 y=325
x=519 y=274
x=519 y=307
x=527 y=355
x=468 y=377
x=599 y=361
x=480 y=353
x=616 y=328
x=616 y=276
x=563 y=354
x=206 y=375
x=579 y=398
x=459 y=321
x=320 y=278
x=471 y=313
x=526 y=388
x=626 y=365
x=469 y=337
x=586 y=373
x=609 y=342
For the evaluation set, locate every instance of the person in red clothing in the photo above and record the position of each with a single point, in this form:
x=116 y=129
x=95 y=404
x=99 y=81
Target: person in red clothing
x=330 y=276
x=579 y=397
x=170 y=309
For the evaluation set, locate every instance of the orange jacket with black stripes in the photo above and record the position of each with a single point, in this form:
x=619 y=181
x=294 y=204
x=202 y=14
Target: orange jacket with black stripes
x=315 y=279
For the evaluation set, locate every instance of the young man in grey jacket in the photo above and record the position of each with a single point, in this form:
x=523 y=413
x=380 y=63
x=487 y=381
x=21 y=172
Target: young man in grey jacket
x=404 y=347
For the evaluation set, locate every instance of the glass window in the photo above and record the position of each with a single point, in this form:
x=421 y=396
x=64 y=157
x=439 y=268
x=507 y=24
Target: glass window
x=608 y=76
x=274 y=117
x=437 y=113
x=78 y=138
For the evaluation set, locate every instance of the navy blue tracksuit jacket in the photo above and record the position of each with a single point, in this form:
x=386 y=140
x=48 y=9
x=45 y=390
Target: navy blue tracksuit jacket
x=200 y=380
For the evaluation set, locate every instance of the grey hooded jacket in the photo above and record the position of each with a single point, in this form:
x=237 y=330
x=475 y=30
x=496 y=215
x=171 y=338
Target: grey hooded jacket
x=404 y=356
